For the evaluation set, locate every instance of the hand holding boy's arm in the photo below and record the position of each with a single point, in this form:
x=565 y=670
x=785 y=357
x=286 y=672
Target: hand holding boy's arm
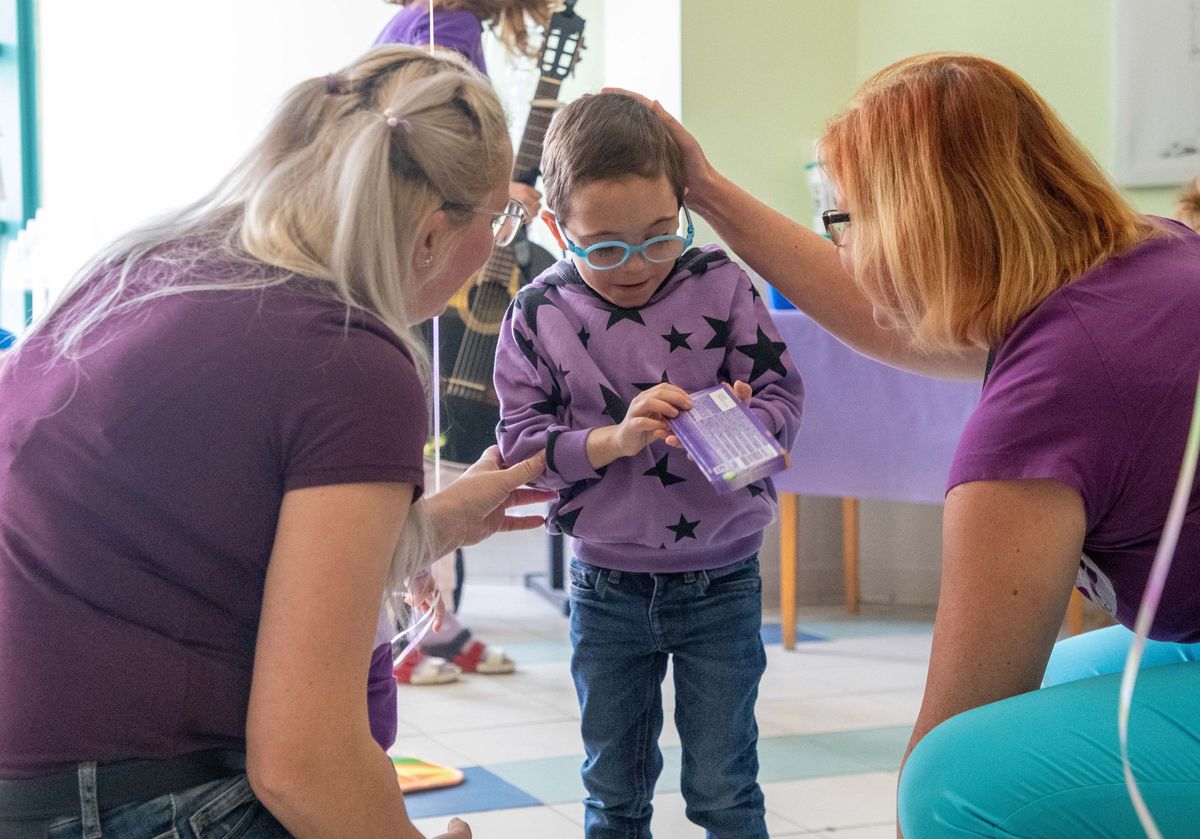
x=644 y=422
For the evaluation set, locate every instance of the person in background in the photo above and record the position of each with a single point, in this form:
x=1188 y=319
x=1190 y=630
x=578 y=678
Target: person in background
x=595 y=357
x=457 y=26
x=977 y=239
x=211 y=475
x=1187 y=205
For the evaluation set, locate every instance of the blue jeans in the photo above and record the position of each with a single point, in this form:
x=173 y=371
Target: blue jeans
x=225 y=809
x=624 y=626
x=1047 y=765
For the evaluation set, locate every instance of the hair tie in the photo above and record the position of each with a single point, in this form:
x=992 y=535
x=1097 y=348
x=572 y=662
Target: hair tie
x=332 y=85
x=396 y=123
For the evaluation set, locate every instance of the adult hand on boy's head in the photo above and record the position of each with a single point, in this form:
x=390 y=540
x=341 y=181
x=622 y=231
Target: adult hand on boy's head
x=698 y=171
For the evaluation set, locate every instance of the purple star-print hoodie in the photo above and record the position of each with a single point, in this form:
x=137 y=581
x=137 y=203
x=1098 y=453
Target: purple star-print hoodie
x=569 y=361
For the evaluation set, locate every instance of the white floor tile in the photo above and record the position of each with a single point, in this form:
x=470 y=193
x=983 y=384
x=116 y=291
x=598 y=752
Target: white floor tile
x=811 y=715
x=430 y=749
x=473 y=714
x=517 y=823
x=838 y=802
x=518 y=742
x=887 y=830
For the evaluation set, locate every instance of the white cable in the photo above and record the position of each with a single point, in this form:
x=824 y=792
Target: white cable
x=1149 y=608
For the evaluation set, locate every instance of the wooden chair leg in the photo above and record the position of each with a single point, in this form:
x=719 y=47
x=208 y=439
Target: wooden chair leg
x=850 y=552
x=1075 y=613
x=787 y=568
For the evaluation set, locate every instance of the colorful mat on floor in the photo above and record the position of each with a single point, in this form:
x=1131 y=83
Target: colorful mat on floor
x=415 y=774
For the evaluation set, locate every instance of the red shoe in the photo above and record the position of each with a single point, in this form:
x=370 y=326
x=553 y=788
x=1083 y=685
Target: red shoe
x=420 y=669
x=477 y=657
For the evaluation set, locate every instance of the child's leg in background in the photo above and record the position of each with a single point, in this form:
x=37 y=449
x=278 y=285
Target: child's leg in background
x=712 y=629
x=618 y=671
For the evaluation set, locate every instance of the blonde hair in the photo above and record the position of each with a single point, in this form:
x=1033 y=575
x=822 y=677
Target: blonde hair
x=508 y=19
x=332 y=191
x=970 y=200
x=1187 y=206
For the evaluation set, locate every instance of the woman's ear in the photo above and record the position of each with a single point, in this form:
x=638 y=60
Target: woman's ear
x=551 y=222
x=431 y=240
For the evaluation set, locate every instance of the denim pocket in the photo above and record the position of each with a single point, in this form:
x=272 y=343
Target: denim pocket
x=585 y=580
x=227 y=811
x=743 y=578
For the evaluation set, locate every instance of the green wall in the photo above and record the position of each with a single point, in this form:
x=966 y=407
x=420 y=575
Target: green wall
x=761 y=76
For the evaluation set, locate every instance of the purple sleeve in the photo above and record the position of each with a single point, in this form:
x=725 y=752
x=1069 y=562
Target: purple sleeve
x=757 y=355
x=453 y=29
x=381 y=697
x=1048 y=411
x=532 y=407
x=351 y=412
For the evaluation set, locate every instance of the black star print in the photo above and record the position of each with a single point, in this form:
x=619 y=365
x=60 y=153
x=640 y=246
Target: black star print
x=720 y=330
x=684 y=529
x=766 y=355
x=616 y=314
x=528 y=301
x=614 y=406
x=501 y=426
x=660 y=471
x=583 y=336
x=648 y=385
x=551 y=403
x=572 y=492
x=753 y=291
x=526 y=347
x=755 y=490
x=566 y=521
x=677 y=339
x=562 y=374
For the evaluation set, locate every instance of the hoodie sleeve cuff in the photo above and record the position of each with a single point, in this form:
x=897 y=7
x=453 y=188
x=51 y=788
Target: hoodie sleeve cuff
x=566 y=454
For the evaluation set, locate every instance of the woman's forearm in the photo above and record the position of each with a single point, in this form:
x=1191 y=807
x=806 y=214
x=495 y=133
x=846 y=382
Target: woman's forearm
x=333 y=791
x=805 y=267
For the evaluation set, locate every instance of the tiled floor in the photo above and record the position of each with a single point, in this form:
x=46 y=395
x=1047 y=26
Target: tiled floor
x=834 y=717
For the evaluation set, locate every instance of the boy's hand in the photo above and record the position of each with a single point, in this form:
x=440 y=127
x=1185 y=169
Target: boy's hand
x=648 y=415
x=645 y=421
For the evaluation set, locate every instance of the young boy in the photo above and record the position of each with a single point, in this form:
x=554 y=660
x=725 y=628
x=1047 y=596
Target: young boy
x=594 y=358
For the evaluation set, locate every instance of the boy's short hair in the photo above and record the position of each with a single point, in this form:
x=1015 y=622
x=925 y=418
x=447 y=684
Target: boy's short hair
x=1187 y=206
x=606 y=135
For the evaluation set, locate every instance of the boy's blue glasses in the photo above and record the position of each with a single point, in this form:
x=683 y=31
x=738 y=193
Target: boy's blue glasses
x=604 y=256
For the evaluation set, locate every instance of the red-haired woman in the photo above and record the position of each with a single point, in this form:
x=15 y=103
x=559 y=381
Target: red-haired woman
x=982 y=241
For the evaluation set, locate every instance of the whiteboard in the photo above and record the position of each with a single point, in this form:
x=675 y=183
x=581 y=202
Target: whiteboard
x=1157 y=92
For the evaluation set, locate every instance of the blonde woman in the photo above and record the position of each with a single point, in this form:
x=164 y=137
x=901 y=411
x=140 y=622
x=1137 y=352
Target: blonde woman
x=211 y=473
x=977 y=239
x=458 y=27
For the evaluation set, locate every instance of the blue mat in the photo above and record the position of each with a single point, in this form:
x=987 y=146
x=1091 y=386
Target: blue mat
x=480 y=791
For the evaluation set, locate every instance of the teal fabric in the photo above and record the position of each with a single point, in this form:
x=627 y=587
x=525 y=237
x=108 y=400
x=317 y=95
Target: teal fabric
x=1047 y=764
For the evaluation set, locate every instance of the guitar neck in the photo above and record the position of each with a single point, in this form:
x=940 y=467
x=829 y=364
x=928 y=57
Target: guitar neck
x=529 y=155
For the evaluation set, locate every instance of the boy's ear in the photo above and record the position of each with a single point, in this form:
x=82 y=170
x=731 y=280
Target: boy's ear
x=551 y=222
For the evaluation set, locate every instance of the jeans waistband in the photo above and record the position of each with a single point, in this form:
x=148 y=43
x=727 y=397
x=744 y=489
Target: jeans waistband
x=108 y=785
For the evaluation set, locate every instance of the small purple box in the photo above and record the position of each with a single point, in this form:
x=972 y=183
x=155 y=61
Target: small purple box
x=727 y=441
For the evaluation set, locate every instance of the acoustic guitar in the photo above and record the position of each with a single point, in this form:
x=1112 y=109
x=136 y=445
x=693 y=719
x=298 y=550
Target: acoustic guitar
x=470 y=327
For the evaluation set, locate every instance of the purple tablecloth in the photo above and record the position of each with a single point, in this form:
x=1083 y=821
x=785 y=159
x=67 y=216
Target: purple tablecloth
x=869 y=431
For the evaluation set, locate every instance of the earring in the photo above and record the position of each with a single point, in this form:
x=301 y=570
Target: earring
x=427 y=261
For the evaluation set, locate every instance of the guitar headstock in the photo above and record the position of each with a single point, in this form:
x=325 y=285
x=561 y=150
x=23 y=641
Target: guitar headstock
x=563 y=43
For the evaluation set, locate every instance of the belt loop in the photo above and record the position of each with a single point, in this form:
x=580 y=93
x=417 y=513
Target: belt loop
x=614 y=577
x=689 y=577
x=89 y=812
x=704 y=580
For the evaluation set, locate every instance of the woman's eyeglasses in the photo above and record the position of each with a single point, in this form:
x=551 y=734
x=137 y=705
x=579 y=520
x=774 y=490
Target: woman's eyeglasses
x=506 y=222
x=604 y=256
x=836 y=222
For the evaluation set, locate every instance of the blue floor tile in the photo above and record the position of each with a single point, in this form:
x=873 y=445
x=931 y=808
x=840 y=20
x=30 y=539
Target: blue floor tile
x=480 y=791
x=772 y=633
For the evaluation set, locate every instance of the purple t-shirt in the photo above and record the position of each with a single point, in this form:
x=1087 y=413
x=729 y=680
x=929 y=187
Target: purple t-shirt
x=453 y=29
x=1094 y=388
x=139 y=496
